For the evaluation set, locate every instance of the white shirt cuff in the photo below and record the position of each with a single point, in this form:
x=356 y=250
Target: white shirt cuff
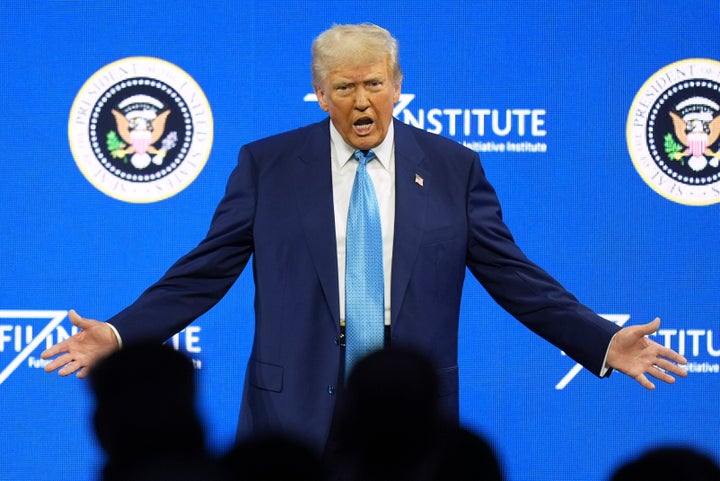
x=117 y=335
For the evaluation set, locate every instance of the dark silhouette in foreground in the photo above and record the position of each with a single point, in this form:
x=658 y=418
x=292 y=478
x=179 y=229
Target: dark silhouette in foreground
x=145 y=416
x=390 y=427
x=669 y=463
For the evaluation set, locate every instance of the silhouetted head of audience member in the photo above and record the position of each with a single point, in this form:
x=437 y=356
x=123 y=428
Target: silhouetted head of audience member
x=271 y=458
x=390 y=426
x=462 y=455
x=145 y=415
x=390 y=406
x=669 y=463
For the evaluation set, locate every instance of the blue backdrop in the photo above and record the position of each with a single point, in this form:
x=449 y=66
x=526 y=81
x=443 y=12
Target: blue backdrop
x=561 y=99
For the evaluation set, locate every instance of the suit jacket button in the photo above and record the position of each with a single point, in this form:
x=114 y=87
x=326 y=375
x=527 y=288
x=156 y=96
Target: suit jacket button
x=331 y=390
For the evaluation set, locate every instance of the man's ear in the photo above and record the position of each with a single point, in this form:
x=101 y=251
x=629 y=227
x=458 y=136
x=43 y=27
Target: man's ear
x=321 y=98
x=396 y=96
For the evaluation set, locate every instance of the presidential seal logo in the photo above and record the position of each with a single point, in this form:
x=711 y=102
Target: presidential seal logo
x=140 y=130
x=673 y=129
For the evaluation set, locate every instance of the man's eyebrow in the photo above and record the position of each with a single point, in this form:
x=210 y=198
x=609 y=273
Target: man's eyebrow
x=342 y=81
x=374 y=77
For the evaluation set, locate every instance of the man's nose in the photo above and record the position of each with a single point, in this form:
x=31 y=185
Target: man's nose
x=361 y=100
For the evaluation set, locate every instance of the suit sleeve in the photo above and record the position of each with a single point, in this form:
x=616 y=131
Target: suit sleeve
x=525 y=290
x=198 y=280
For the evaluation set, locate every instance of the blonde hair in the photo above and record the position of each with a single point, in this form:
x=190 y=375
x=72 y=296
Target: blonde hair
x=360 y=44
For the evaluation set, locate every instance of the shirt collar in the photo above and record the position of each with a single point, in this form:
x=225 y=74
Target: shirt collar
x=344 y=152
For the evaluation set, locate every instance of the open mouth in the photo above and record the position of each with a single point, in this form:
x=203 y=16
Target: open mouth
x=363 y=125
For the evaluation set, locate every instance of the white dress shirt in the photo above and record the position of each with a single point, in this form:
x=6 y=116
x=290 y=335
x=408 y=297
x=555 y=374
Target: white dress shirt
x=382 y=173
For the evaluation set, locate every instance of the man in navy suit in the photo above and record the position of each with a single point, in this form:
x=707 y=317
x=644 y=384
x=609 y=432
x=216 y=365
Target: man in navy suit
x=286 y=205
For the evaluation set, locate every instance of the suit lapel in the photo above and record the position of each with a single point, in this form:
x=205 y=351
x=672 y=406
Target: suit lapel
x=410 y=205
x=314 y=197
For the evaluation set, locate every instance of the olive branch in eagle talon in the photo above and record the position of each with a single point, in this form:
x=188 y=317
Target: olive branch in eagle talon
x=673 y=149
x=116 y=146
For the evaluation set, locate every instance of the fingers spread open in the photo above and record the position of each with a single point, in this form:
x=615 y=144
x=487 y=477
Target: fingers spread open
x=70 y=368
x=644 y=381
x=59 y=361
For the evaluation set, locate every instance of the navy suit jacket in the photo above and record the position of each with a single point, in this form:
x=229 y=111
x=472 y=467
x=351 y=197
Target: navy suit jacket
x=278 y=208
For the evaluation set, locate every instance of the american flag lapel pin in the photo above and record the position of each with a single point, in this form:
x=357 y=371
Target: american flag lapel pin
x=419 y=180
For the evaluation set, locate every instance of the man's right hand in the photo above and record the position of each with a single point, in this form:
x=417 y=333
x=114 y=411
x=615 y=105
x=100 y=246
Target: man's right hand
x=79 y=353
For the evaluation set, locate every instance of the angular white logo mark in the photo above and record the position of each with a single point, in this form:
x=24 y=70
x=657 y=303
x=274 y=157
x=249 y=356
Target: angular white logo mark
x=56 y=317
x=620 y=320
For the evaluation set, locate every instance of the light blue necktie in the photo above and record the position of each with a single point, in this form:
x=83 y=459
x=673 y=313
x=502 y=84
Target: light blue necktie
x=364 y=285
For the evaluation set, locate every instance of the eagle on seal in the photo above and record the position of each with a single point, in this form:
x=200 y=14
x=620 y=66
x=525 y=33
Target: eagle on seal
x=141 y=124
x=697 y=127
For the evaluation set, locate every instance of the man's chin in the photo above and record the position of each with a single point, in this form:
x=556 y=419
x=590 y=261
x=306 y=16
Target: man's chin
x=365 y=142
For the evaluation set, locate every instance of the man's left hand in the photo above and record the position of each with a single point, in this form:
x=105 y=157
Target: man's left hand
x=632 y=353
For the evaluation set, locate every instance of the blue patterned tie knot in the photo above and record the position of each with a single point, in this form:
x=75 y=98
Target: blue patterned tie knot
x=364 y=156
x=364 y=284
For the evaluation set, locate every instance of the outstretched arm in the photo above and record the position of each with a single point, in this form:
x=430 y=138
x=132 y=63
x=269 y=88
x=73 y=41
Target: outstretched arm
x=80 y=352
x=632 y=353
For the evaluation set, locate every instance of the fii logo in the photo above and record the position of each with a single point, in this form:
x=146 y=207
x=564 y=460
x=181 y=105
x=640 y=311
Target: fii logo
x=25 y=334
